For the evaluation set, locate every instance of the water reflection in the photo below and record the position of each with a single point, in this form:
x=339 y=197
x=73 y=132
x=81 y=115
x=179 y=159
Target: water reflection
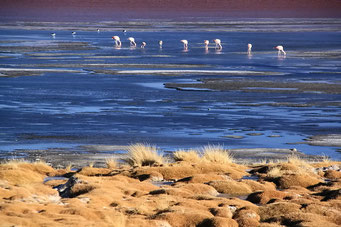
x=206 y=50
x=218 y=51
x=281 y=57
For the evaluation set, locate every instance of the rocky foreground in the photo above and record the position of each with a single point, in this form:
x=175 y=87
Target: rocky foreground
x=183 y=193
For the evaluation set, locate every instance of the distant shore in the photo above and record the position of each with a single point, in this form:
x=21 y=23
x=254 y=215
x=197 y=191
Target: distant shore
x=187 y=24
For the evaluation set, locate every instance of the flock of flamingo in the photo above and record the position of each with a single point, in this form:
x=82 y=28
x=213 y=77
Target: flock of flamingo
x=217 y=42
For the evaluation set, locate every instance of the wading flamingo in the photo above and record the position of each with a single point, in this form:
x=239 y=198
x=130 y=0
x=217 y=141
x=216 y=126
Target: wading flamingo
x=160 y=44
x=217 y=44
x=280 y=50
x=249 y=47
x=117 y=40
x=73 y=33
x=53 y=35
x=143 y=44
x=132 y=41
x=206 y=42
x=185 y=42
x=97 y=29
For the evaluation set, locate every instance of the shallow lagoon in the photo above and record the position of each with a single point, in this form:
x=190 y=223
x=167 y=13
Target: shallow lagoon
x=69 y=91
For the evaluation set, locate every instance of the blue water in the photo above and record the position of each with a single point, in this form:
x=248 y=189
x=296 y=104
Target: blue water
x=69 y=109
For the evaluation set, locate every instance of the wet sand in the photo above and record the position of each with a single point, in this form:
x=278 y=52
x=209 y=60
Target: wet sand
x=248 y=85
x=98 y=155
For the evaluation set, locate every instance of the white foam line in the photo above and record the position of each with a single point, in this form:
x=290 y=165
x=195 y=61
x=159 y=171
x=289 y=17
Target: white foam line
x=195 y=72
x=36 y=70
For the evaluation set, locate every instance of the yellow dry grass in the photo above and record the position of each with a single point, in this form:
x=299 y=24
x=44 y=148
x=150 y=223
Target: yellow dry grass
x=143 y=155
x=299 y=162
x=111 y=163
x=275 y=172
x=21 y=172
x=216 y=154
x=191 y=156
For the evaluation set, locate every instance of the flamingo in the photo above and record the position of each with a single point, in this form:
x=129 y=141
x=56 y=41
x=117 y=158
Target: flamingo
x=218 y=44
x=124 y=31
x=206 y=42
x=132 y=41
x=117 y=40
x=249 y=47
x=97 y=29
x=160 y=44
x=73 y=33
x=280 y=50
x=185 y=42
x=143 y=44
x=53 y=35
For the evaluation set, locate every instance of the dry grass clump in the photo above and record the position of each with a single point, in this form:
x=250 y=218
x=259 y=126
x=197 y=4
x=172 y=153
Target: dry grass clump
x=186 y=156
x=263 y=197
x=294 y=165
x=231 y=187
x=111 y=163
x=91 y=171
x=184 y=169
x=199 y=189
x=128 y=197
x=217 y=154
x=143 y=155
x=275 y=172
x=184 y=219
x=299 y=162
x=22 y=172
x=278 y=210
x=303 y=180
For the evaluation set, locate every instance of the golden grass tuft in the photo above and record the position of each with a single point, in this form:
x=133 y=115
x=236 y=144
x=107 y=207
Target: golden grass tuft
x=68 y=167
x=91 y=164
x=300 y=179
x=299 y=162
x=111 y=163
x=186 y=156
x=216 y=154
x=143 y=155
x=275 y=172
x=231 y=187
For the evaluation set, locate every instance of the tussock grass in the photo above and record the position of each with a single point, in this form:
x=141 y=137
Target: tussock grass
x=143 y=155
x=303 y=165
x=187 y=156
x=216 y=154
x=68 y=167
x=22 y=172
x=91 y=164
x=275 y=172
x=111 y=163
x=326 y=159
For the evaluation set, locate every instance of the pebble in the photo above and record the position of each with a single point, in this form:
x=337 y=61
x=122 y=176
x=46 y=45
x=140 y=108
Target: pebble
x=333 y=167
